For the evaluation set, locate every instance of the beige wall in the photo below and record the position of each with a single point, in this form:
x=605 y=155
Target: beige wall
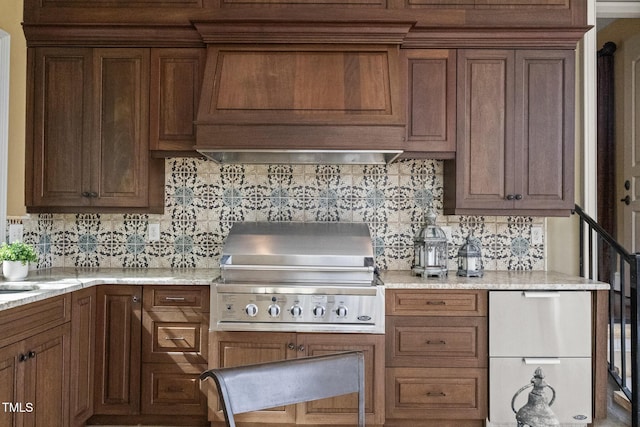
x=10 y=20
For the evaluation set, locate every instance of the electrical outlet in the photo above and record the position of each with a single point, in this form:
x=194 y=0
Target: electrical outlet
x=537 y=237
x=15 y=232
x=154 y=232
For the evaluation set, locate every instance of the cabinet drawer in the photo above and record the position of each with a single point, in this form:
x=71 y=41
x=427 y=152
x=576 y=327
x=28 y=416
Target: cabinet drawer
x=412 y=302
x=436 y=393
x=173 y=389
x=540 y=324
x=570 y=379
x=25 y=321
x=171 y=297
x=436 y=341
x=175 y=336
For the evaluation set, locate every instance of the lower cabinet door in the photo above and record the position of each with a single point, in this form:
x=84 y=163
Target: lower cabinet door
x=567 y=390
x=436 y=393
x=173 y=389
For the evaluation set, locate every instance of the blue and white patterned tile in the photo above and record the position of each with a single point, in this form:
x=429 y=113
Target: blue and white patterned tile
x=514 y=250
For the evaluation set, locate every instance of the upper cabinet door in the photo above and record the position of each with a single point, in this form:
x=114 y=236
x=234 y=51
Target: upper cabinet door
x=120 y=142
x=484 y=159
x=545 y=128
x=58 y=126
x=176 y=78
x=431 y=95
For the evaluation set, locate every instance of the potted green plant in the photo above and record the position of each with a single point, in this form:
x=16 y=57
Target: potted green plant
x=15 y=259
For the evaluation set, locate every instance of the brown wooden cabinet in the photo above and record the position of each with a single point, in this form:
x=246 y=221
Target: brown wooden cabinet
x=175 y=346
x=436 y=358
x=83 y=323
x=431 y=106
x=176 y=78
x=34 y=367
x=151 y=346
x=118 y=332
x=87 y=136
x=238 y=348
x=515 y=149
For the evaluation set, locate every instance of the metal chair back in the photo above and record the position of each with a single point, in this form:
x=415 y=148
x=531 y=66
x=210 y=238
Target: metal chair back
x=267 y=385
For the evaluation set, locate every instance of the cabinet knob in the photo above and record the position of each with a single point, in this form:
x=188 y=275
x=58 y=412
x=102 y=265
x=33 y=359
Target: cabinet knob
x=510 y=197
x=93 y=194
x=518 y=196
x=31 y=354
x=301 y=348
x=135 y=298
x=291 y=346
x=22 y=357
x=85 y=194
x=626 y=200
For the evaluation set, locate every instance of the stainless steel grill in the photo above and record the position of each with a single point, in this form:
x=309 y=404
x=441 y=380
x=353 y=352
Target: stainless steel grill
x=317 y=277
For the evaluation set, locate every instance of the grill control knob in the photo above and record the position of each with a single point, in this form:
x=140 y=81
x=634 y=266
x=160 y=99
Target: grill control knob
x=342 y=311
x=318 y=311
x=274 y=310
x=296 y=311
x=251 y=310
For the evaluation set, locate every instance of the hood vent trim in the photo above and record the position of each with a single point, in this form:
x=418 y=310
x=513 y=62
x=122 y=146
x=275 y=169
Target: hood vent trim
x=303 y=157
x=332 y=93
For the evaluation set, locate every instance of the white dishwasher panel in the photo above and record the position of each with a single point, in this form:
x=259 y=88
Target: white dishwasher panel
x=539 y=324
x=570 y=377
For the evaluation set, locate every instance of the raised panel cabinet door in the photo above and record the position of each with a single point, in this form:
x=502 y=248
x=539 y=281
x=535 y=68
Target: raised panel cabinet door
x=176 y=78
x=8 y=386
x=46 y=378
x=120 y=168
x=484 y=159
x=83 y=321
x=344 y=409
x=431 y=93
x=243 y=348
x=544 y=131
x=59 y=127
x=118 y=349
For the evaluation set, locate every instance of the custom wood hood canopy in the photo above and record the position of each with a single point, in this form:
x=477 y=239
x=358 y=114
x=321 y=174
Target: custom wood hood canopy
x=301 y=92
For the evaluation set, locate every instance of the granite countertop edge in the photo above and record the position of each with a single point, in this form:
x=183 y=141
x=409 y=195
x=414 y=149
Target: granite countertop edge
x=58 y=281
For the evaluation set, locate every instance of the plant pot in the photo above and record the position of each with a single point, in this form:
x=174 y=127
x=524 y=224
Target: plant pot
x=14 y=270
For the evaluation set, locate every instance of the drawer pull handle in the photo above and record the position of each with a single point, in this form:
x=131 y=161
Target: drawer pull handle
x=436 y=303
x=541 y=294
x=436 y=394
x=541 y=361
x=174 y=298
x=438 y=342
x=174 y=338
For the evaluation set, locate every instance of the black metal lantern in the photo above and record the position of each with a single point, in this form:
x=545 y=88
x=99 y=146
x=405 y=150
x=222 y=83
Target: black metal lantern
x=431 y=249
x=470 y=259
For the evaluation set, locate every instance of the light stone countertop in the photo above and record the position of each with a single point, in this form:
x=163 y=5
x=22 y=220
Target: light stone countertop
x=57 y=281
x=493 y=280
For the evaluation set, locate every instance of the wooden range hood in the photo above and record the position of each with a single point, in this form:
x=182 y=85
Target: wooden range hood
x=301 y=92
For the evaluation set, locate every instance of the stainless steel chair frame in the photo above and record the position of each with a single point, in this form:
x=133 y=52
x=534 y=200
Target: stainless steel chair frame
x=267 y=385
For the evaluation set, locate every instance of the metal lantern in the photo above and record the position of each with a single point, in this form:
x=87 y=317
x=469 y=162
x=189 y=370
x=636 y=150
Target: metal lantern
x=470 y=259
x=537 y=411
x=431 y=249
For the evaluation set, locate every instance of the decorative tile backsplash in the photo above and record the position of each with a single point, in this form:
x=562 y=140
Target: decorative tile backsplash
x=203 y=199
